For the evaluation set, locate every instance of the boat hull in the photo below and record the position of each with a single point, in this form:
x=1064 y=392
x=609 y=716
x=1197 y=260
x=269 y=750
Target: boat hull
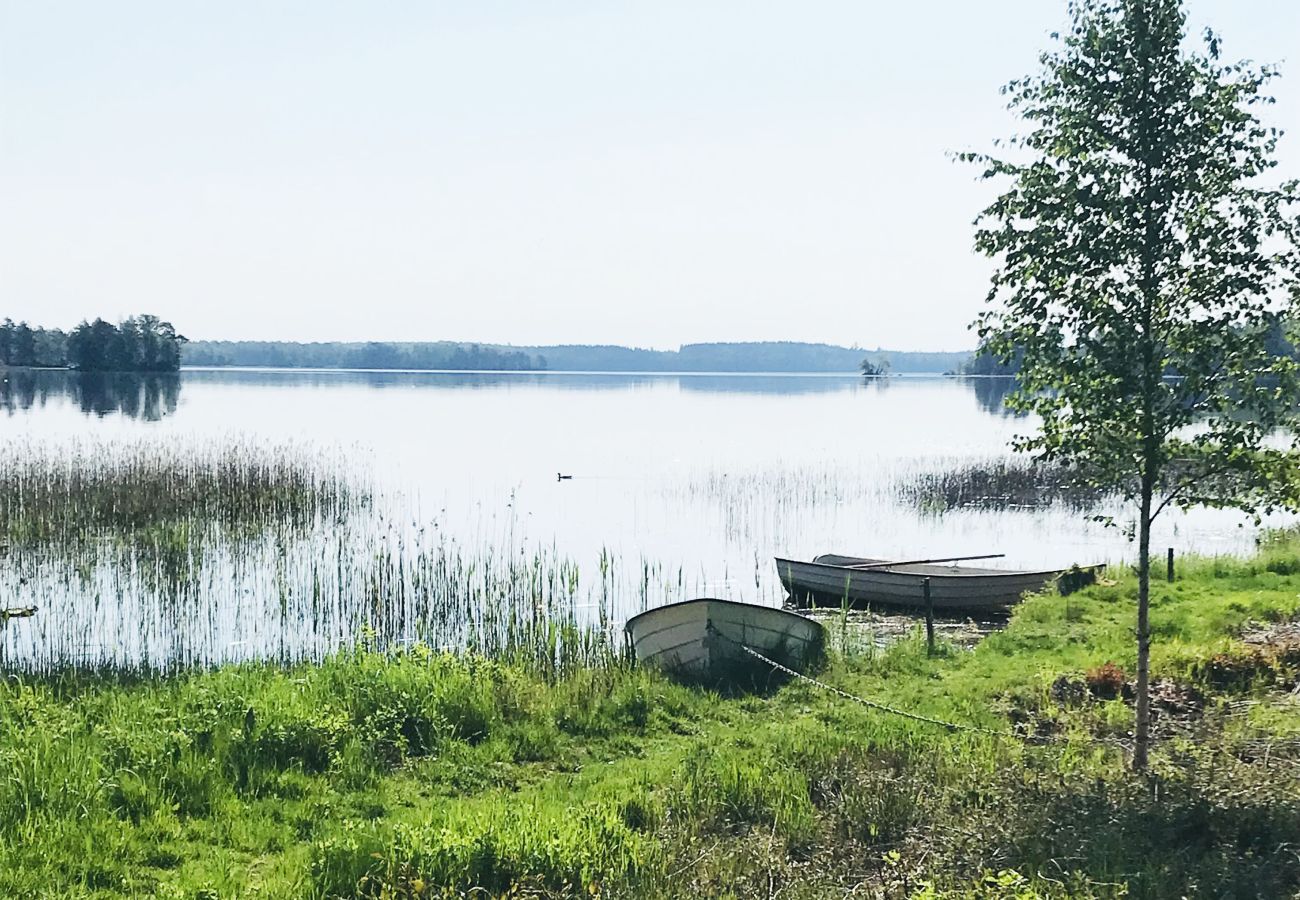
x=702 y=640
x=828 y=580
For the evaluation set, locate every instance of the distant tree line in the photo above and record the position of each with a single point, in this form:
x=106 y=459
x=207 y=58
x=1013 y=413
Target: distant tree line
x=770 y=356
x=139 y=344
x=23 y=345
x=753 y=356
x=372 y=355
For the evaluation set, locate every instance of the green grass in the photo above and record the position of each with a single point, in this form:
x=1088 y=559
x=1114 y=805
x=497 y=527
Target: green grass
x=427 y=775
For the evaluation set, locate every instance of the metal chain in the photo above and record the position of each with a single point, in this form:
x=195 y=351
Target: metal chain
x=903 y=713
x=882 y=707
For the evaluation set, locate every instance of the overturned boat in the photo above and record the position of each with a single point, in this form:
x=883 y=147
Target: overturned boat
x=837 y=580
x=704 y=640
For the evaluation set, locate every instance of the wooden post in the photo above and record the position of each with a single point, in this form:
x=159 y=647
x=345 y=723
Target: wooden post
x=1169 y=567
x=929 y=616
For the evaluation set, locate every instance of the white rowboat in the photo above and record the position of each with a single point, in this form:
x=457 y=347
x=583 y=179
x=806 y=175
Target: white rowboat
x=833 y=579
x=703 y=640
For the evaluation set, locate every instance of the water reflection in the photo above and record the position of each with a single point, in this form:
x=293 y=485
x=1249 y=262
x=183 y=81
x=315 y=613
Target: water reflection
x=687 y=382
x=151 y=397
x=685 y=485
x=729 y=383
x=777 y=384
x=991 y=393
x=147 y=397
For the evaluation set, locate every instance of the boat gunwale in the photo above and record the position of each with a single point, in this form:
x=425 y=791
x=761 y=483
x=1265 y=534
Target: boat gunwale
x=885 y=569
x=815 y=636
x=627 y=626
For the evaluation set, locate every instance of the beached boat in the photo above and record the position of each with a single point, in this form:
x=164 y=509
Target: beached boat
x=832 y=580
x=703 y=640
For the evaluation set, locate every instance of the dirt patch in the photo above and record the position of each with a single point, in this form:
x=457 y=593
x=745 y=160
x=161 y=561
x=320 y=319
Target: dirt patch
x=1268 y=657
x=1280 y=641
x=1176 y=707
x=864 y=627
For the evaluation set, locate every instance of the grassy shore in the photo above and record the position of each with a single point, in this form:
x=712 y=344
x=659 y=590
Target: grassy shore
x=427 y=775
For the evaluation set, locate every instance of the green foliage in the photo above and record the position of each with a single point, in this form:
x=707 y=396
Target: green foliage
x=138 y=344
x=986 y=363
x=1135 y=245
x=722 y=789
x=1144 y=272
x=22 y=345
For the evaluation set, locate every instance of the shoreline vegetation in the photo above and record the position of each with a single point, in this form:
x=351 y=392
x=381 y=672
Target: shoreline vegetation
x=527 y=756
x=413 y=773
x=146 y=344
x=139 y=344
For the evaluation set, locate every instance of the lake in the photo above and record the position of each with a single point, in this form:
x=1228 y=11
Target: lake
x=681 y=485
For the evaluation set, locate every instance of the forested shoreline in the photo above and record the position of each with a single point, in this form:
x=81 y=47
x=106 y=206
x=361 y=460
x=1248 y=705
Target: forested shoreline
x=148 y=344
x=142 y=343
x=360 y=355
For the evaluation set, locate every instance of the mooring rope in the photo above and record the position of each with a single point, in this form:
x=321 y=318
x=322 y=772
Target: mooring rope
x=884 y=707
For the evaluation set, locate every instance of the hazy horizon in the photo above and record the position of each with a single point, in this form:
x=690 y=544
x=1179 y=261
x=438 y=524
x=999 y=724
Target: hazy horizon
x=668 y=349
x=649 y=176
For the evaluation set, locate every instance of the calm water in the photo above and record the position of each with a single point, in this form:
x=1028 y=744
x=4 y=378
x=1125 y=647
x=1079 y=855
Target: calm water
x=689 y=484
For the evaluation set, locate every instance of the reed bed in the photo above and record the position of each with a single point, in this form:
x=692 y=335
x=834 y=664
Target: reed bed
x=771 y=506
x=62 y=494
x=939 y=484
x=998 y=484
x=164 y=554
x=790 y=487
x=289 y=600
x=158 y=556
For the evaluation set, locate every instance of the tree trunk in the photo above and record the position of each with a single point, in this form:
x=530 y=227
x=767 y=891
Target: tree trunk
x=1142 y=737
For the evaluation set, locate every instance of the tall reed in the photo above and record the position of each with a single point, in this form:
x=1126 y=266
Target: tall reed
x=163 y=554
x=60 y=494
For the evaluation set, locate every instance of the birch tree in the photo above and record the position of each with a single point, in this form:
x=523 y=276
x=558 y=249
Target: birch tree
x=1144 y=266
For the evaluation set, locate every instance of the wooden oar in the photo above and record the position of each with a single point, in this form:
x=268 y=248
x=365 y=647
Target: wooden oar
x=921 y=562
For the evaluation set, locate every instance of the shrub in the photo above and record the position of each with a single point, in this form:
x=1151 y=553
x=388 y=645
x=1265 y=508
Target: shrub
x=1239 y=669
x=1106 y=682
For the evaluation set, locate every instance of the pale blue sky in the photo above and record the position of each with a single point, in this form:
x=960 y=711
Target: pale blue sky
x=643 y=173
